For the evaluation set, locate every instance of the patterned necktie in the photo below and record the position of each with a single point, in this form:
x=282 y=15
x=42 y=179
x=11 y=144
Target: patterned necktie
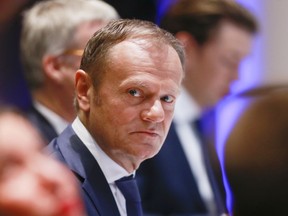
x=128 y=187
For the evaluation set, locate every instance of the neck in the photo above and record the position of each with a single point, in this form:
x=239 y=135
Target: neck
x=56 y=103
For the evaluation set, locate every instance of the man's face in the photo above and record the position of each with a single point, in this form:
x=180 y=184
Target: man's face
x=212 y=67
x=130 y=115
x=31 y=183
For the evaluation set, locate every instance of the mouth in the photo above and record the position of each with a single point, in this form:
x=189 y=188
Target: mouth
x=70 y=206
x=148 y=133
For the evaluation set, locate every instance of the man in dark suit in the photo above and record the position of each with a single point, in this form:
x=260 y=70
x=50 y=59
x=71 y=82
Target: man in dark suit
x=129 y=78
x=216 y=35
x=53 y=37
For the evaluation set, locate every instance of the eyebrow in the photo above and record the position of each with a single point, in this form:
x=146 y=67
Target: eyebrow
x=148 y=85
x=137 y=82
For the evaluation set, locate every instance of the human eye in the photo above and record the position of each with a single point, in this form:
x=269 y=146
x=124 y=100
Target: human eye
x=168 y=99
x=229 y=63
x=134 y=92
x=10 y=167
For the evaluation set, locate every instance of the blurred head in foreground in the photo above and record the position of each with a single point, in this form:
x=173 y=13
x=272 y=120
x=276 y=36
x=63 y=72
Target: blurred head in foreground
x=31 y=183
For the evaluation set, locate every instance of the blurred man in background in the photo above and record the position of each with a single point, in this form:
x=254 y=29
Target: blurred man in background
x=53 y=38
x=181 y=179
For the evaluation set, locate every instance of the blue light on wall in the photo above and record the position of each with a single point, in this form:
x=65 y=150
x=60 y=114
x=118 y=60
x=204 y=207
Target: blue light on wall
x=228 y=110
x=251 y=69
x=228 y=113
x=162 y=6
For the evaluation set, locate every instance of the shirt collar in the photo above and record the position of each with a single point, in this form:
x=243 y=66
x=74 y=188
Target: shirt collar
x=57 y=122
x=112 y=171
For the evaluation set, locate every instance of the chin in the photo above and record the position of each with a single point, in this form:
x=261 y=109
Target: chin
x=146 y=154
x=146 y=150
x=151 y=154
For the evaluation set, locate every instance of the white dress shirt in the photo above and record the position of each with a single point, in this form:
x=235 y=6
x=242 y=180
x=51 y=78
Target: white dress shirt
x=187 y=111
x=112 y=171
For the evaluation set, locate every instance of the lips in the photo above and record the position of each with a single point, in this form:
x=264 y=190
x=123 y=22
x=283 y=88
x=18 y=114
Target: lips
x=147 y=132
x=68 y=207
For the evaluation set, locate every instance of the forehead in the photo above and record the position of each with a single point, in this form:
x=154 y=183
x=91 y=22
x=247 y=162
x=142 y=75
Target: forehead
x=140 y=56
x=232 y=38
x=16 y=133
x=134 y=47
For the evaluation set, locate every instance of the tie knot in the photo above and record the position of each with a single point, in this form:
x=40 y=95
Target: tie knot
x=128 y=187
x=125 y=178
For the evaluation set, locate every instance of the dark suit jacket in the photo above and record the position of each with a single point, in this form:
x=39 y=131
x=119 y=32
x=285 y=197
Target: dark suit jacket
x=40 y=122
x=97 y=195
x=167 y=184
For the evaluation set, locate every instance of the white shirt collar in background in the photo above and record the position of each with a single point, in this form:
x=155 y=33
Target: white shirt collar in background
x=57 y=122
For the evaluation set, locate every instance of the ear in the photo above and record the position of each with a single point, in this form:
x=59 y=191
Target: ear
x=52 y=67
x=191 y=48
x=84 y=90
x=187 y=40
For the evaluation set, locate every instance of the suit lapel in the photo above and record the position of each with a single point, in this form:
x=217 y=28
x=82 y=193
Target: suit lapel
x=84 y=165
x=45 y=128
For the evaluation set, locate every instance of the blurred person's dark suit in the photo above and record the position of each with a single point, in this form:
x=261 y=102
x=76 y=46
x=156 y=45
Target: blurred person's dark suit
x=256 y=153
x=47 y=131
x=179 y=192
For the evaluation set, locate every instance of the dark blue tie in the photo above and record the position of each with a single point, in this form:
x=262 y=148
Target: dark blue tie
x=197 y=128
x=129 y=189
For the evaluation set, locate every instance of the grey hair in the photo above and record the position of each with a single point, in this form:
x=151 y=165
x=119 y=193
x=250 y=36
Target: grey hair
x=49 y=26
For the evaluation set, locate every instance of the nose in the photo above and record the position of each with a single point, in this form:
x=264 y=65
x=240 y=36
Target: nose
x=233 y=72
x=155 y=113
x=49 y=179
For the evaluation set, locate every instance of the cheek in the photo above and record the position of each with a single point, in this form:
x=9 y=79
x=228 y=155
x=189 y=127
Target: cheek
x=68 y=83
x=69 y=75
x=168 y=120
x=214 y=78
x=128 y=115
x=27 y=192
x=71 y=78
x=20 y=192
x=220 y=79
x=122 y=115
